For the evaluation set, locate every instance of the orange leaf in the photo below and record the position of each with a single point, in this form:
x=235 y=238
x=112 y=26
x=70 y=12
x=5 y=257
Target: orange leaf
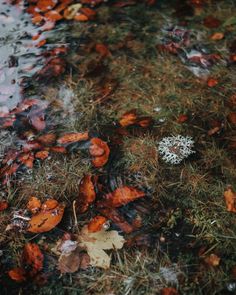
x=45 y=5
x=47 y=139
x=46 y=220
x=58 y=149
x=3 y=205
x=17 y=274
x=49 y=205
x=100 y=152
x=102 y=50
x=81 y=17
x=87 y=194
x=144 y=122
x=33 y=258
x=128 y=118
x=121 y=196
x=212 y=260
x=42 y=155
x=182 y=118
x=96 y=224
x=230 y=199
x=217 y=36
x=34 y=204
x=211 y=82
x=73 y=137
x=90 y=13
x=53 y=15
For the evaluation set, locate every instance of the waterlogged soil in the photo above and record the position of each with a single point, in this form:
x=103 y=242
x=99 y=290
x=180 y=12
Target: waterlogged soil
x=91 y=98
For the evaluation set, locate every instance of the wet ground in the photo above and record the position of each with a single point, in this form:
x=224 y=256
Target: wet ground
x=117 y=118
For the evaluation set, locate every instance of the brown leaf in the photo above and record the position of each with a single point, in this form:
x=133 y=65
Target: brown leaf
x=96 y=224
x=169 y=291
x=212 y=260
x=3 y=205
x=34 y=205
x=230 y=199
x=102 y=50
x=232 y=118
x=46 y=220
x=211 y=22
x=121 y=196
x=17 y=274
x=47 y=139
x=69 y=263
x=86 y=195
x=97 y=146
x=73 y=137
x=33 y=258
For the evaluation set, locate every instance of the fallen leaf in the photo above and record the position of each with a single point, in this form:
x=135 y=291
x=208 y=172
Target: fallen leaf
x=169 y=291
x=3 y=205
x=47 y=139
x=102 y=50
x=71 y=11
x=86 y=195
x=211 y=22
x=212 y=260
x=96 y=243
x=182 y=118
x=42 y=155
x=46 y=220
x=69 y=263
x=100 y=152
x=121 y=196
x=34 y=205
x=230 y=199
x=45 y=5
x=49 y=204
x=217 y=36
x=73 y=137
x=81 y=17
x=53 y=15
x=128 y=118
x=232 y=118
x=96 y=224
x=211 y=82
x=17 y=274
x=32 y=258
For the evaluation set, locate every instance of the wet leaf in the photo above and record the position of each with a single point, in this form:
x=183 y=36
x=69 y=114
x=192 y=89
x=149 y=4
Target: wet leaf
x=120 y=197
x=96 y=224
x=96 y=243
x=45 y=5
x=33 y=258
x=34 y=205
x=3 y=205
x=86 y=195
x=46 y=220
x=53 y=15
x=73 y=137
x=100 y=152
x=212 y=260
x=230 y=199
x=17 y=274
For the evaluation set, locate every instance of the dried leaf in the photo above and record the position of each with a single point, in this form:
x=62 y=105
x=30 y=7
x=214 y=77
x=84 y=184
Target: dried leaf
x=96 y=243
x=3 y=205
x=73 y=137
x=69 y=263
x=96 y=224
x=230 y=199
x=34 y=205
x=17 y=274
x=46 y=220
x=100 y=152
x=86 y=195
x=212 y=260
x=121 y=196
x=33 y=258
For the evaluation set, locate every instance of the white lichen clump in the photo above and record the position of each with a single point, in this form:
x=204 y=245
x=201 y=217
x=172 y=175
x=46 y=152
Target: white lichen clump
x=174 y=149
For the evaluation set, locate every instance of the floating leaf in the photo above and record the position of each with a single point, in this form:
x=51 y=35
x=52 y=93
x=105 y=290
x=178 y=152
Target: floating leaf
x=96 y=243
x=46 y=220
x=230 y=199
x=121 y=196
